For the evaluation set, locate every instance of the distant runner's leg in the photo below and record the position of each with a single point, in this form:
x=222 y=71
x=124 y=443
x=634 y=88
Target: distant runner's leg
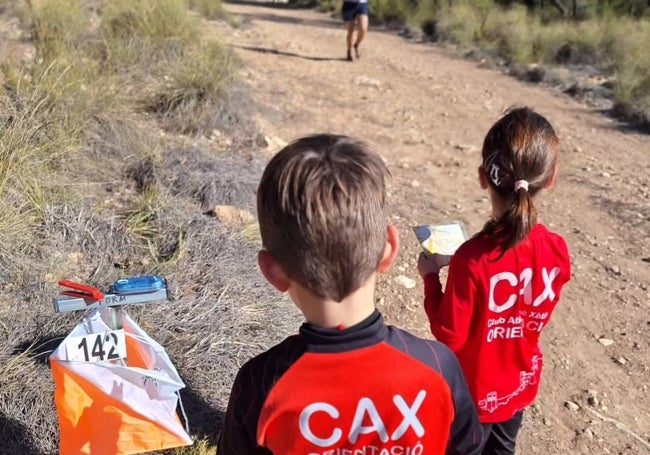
x=362 y=20
x=350 y=28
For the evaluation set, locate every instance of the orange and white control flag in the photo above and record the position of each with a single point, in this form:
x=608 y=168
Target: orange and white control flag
x=116 y=391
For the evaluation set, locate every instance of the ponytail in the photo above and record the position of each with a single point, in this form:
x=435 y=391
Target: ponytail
x=514 y=224
x=519 y=157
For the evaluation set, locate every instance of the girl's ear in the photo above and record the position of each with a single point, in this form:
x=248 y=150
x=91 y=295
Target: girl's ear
x=551 y=181
x=482 y=178
x=390 y=250
x=272 y=271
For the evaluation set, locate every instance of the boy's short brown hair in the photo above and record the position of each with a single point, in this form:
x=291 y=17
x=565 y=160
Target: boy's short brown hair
x=320 y=206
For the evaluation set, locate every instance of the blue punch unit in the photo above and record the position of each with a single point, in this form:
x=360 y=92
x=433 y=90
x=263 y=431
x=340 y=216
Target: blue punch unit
x=143 y=284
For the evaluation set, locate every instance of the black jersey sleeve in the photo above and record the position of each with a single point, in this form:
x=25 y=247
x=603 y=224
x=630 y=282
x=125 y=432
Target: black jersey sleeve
x=466 y=431
x=251 y=387
x=238 y=435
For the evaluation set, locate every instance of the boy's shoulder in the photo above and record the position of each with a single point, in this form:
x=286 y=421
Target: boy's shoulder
x=269 y=365
x=430 y=352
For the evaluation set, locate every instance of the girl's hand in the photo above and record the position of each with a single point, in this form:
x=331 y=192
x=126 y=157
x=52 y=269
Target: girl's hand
x=431 y=263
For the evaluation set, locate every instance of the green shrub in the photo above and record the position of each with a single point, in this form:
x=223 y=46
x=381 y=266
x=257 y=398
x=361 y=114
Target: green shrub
x=187 y=97
x=210 y=9
x=611 y=40
x=389 y=11
x=59 y=26
x=626 y=43
x=156 y=20
x=460 y=25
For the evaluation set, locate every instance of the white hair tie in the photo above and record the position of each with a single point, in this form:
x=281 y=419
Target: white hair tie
x=521 y=184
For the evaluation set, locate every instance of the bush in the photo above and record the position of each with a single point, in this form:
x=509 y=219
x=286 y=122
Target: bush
x=87 y=190
x=611 y=40
x=68 y=100
x=391 y=12
x=58 y=26
x=186 y=100
x=210 y=9
x=626 y=43
x=155 y=20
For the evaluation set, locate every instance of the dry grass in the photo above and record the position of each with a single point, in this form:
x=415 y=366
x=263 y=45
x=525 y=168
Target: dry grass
x=90 y=189
x=187 y=99
x=156 y=21
x=200 y=447
x=58 y=26
x=210 y=9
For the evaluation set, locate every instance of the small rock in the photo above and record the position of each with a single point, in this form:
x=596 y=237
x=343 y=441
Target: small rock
x=592 y=398
x=546 y=421
x=605 y=174
x=588 y=433
x=535 y=74
x=466 y=147
x=571 y=406
x=616 y=270
x=606 y=341
x=415 y=184
x=404 y=281
x=231 y=215
x=412 y=33
x=366 y=81
x=220 y=139
x=274 y=144
x=621 y=360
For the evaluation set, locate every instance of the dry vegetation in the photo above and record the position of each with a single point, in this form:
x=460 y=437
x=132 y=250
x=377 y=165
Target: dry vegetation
x=109 y=166
x=609 y=36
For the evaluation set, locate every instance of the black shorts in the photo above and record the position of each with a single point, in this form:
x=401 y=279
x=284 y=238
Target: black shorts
x=351 y=10
x=500 y=438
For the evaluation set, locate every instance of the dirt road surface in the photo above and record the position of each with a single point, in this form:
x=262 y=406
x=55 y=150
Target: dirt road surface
x=427 y=112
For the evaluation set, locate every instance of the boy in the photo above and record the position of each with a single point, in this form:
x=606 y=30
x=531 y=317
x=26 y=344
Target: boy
x=346 y=383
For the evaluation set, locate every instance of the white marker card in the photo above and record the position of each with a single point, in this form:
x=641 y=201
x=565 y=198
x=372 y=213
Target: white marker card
x=97 y=347
x=441 y=238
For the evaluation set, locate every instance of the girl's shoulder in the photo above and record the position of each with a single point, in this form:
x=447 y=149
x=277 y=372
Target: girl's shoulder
x=540 y=231
x=483 y=247
x=476 y=248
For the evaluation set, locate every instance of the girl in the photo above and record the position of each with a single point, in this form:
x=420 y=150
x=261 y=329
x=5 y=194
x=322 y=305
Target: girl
x=504 y=283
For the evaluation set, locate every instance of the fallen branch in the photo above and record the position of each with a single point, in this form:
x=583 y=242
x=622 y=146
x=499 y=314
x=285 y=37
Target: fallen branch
x=620 y=426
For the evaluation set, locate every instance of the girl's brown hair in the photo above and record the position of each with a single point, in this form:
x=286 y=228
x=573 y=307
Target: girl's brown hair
x=519 y=159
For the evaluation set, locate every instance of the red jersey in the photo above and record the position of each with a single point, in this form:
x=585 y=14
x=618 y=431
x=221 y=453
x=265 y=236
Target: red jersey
x=492 y=313
x=370 y=389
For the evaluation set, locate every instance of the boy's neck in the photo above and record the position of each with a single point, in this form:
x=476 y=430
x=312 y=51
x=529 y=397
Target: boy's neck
x=329 y=314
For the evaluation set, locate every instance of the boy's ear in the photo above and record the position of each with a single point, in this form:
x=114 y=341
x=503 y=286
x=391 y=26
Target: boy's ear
x=390 y=250
x=551 y=181
x=272 y=271
x=482 y=178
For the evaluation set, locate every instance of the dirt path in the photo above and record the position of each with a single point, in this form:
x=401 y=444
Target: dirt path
x=427 y=112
